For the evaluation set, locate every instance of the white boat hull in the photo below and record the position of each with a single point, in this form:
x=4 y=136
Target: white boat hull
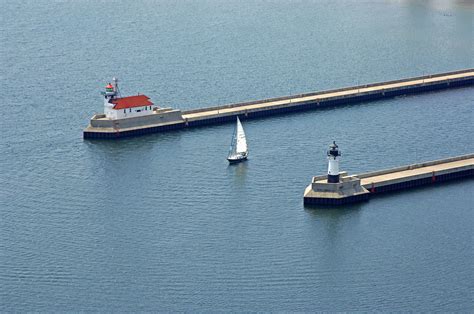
x=237 y=158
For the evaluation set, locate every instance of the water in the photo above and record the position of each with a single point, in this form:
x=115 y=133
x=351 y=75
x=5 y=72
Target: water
x=162 y=222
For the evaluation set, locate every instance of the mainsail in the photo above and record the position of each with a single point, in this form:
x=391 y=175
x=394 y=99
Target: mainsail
x=241 y=145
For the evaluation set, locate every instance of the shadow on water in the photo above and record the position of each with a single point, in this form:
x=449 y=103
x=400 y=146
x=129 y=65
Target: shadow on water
x=126 y=144
x=332 y=216
x=238 y=171
x=329 y=212
x=332 y=228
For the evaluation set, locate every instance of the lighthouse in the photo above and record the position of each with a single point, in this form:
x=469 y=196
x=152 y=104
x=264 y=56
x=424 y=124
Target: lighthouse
x=333 y=163
x=117 y=107
x=111 y=92
x=336 y=188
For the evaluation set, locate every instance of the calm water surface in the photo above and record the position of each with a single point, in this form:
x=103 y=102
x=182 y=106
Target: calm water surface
x=162 y=222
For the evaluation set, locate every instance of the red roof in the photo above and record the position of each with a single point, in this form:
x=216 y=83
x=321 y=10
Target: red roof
x=131 y=101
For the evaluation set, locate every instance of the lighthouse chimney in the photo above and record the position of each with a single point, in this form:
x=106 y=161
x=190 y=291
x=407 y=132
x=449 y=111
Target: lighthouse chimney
x=115 y=85
x=333 y=159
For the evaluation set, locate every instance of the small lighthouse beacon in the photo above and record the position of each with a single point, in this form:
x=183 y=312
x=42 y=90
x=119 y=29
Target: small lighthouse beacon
x=335 y=188
x=333 y=160
x=109 y=95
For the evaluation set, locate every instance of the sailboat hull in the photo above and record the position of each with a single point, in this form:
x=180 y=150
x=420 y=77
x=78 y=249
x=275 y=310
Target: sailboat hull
x=236 y=159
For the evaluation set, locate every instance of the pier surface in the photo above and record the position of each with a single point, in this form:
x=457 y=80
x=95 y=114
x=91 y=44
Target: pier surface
x=322 y=96
x=401 y=178
x=425 y=173
x=175 y=119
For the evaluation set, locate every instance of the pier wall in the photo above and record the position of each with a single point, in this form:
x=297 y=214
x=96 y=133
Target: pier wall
x=165 y=119
x=285 y=104
x=419 y=181
x=161 y=116
x=437 y=173
x=326 y=92
x=395 y=179
x=119 y=133
x=414 y=166
x=289 y=104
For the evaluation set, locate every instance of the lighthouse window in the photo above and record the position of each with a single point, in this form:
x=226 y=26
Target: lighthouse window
x=124 y=110
x=130 y=110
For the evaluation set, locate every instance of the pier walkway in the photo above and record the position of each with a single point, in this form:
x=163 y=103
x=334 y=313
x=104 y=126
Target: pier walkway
x=430 y=172
x=167 y=119
x=363 y=90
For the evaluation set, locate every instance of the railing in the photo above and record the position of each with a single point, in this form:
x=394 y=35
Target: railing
x=414 y=166
x=325 y=92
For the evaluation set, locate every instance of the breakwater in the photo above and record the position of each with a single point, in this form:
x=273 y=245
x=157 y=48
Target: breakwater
x=357 y=188
x=167 y=119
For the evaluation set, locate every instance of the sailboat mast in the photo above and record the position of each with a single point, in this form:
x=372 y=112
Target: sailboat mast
x=233 y=142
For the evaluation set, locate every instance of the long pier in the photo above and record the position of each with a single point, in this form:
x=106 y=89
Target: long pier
x=171 y=119
x=357 y=188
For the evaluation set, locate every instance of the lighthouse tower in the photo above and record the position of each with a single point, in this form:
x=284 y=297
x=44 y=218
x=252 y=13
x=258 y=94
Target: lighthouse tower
x=333 y=160
x=111 y=93
x=335 y=188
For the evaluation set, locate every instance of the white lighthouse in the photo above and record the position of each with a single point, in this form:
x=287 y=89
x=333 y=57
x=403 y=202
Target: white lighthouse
x=111 y=93
x=336 y=188
x=333 y=160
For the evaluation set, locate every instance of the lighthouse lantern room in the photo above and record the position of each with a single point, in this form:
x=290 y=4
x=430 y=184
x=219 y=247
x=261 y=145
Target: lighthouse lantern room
x=117 y=107
x=333 y=160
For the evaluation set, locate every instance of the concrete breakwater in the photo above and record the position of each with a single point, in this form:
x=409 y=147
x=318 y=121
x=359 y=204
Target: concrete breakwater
x=357 y=188
x=171 y=119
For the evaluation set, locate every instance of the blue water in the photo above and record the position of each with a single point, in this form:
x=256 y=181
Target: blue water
x=162 y=222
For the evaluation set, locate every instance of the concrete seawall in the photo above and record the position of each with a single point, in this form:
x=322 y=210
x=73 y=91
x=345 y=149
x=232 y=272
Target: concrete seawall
x=161 y=120
x=286 y=104
x=376 y=182
x=418 y=174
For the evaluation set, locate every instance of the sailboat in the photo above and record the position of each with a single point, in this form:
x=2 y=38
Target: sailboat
x=238 y=150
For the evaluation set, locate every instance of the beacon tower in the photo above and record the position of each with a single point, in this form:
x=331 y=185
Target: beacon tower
x=333 y=160
x=335 y=188
x=111 y=93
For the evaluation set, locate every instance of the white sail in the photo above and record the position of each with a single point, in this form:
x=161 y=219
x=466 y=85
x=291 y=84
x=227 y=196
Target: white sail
x=241 y=145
